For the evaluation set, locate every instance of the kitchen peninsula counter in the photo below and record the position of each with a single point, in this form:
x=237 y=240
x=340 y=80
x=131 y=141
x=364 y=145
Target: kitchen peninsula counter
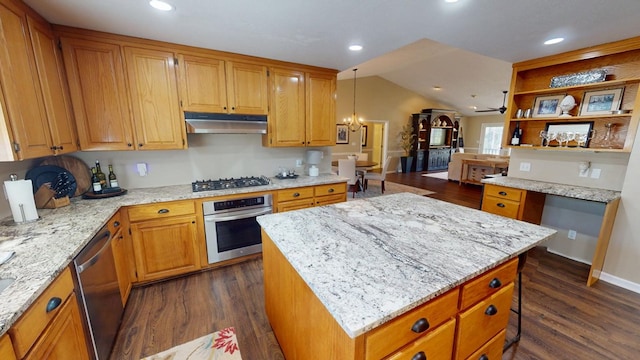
x=44 y=248
x=370 y=261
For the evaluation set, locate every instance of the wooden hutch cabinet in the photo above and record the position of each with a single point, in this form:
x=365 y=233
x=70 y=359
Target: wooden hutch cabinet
x=437 y=138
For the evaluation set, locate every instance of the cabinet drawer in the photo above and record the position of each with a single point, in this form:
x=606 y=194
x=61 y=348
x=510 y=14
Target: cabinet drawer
x=330 y=189
x=502 y=207
x=161 y=210
x=488 y=283
x=483 y=321
x=503 y=192
x=295 y=194
x=330 y=199
x=294 y=205
x=6 y=349
x=492 y=350
x=115 y=223
x=27 y=329
x=389 y=337
x=436 y=345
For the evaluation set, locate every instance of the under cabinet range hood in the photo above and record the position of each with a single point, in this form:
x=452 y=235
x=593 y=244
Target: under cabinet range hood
x=217 y=123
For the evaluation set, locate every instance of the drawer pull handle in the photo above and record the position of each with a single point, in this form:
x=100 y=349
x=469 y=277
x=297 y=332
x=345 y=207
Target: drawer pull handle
x=483 y=357
x=163 y=211
x=116 y=223
x=491 y=310
x=421 y=325
x=500 y=205
x=419 y=356
x=330 y=190
x=495 y=283
x=53 y=304
x=503 y=193
x=296 y=194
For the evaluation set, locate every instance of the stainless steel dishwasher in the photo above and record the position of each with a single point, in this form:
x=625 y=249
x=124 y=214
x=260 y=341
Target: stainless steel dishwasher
x=100 y=294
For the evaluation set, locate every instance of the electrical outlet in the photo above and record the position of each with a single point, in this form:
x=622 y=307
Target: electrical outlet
x=525 y=166
x=298 y=162
x=142 y=169
x=572 y=234
x=595 y=173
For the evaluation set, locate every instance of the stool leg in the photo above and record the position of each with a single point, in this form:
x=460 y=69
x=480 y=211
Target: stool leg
x=516 y=338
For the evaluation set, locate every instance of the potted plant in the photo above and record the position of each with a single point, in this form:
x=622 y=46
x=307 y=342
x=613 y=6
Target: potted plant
x=407 y=140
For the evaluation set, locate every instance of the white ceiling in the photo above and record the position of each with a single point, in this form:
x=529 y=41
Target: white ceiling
x=404 y=41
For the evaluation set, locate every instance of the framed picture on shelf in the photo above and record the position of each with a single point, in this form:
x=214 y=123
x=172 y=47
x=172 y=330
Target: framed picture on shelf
x=601 y=102
x=363 y=133
x=547 y=106
x=342 y=135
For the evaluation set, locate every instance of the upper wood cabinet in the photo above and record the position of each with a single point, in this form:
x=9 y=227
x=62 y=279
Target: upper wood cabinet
x=211 y=84
x=98 y=88
x=37 y=121
x=154 y=99
x=302 y=111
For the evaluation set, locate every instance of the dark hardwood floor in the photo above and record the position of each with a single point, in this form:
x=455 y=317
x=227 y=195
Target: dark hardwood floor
x=562 y=318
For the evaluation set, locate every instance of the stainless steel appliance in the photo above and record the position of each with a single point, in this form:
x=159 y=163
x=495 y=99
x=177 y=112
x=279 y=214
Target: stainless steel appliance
x=231 y=228
x=100 y=294
x=221 y=184
x=213 y=123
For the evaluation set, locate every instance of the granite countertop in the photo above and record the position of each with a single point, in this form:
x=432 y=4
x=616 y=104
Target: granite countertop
x=46 y=247
x=570 y=191
x=369 y=261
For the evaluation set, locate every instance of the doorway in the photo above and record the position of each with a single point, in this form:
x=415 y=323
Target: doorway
x=374 y=140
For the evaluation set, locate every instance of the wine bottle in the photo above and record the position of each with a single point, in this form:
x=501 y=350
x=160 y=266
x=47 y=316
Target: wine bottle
x=95 y=181
x=113 y=180
x=101 y=175
x=517 y=134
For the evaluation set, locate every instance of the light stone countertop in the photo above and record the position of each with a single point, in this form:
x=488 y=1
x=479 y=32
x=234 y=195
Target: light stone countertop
x=570 y=191
x=369 y=261
x=46 y=247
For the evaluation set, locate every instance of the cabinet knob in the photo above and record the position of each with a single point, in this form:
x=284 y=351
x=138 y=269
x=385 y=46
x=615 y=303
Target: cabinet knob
x=163 y=211
x=491 y=310
x=419 y=356
x=53 y=148
x=225 y=108
x=483 y=357
x=296 y=194
x=116 y=223
x=503 y=193
x=129 y=144
x=53 y=304
x=421 y=325
x=495 y=283
x=500 y=205
x=139 y=145
x=330 y=190
x=233 y=108
x=60 y=147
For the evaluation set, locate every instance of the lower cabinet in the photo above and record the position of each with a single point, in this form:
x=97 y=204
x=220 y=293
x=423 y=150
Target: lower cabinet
x=52 y=327
x=513 y=203
x=6 y=348
x=164 y=239
x=305 y=197
x=438 y=159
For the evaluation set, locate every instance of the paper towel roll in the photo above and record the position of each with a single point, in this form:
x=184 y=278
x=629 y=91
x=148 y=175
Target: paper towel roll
x=20 y=196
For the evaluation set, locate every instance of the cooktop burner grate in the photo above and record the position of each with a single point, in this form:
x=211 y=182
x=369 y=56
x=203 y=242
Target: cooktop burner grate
x=231 y=183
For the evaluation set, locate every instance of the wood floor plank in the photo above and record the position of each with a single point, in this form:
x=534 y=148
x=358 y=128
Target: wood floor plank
x=562 y=318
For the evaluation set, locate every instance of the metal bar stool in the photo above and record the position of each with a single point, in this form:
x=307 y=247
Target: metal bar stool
x=522 y=259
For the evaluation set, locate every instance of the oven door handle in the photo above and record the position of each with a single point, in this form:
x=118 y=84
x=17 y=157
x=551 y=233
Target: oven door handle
x=237 y=215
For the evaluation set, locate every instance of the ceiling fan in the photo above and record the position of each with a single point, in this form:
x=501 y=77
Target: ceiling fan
x=502 y=108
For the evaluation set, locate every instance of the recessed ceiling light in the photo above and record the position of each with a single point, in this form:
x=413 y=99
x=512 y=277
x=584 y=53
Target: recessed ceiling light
x=437 y=88
x=450 y=1
x=554 y=41
x=161 y=5
x=355 y=47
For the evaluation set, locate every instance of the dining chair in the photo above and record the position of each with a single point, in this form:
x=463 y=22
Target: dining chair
x=361 y=172
x=379 y=176
x=347 y=168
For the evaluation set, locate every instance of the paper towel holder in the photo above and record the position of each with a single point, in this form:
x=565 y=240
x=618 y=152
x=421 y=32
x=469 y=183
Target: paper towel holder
x=10 y=221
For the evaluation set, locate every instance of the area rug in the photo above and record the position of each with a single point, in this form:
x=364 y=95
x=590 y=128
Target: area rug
x=374 y=190
x=444 y=175
x=221 y=345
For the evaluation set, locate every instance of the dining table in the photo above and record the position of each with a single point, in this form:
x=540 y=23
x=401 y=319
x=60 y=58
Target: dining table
x=361 y=166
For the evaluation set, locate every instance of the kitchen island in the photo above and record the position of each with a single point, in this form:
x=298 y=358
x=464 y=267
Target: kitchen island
x=336 y=275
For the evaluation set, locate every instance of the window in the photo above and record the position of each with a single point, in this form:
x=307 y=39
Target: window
x=491 y=138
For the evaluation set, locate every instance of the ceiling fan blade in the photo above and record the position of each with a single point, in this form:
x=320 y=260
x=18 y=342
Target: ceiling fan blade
x=488 y=110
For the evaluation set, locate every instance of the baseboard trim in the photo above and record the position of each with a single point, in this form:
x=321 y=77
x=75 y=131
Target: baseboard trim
x=620 y=282
x=567 y=256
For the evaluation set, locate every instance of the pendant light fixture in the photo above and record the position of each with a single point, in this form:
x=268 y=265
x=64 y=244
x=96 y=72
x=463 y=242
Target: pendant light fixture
x=354 y=123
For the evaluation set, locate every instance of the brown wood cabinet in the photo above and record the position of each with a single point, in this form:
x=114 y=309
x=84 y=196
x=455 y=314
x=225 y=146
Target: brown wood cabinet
x=531 y=79
x=305 y=197
x=54 y=334
x=122 y=256
x=219 y=85
x=6 y=348
x=302 y=110
x=513 y=203
x=165 y=240
x=154 y=98
x=34 y=99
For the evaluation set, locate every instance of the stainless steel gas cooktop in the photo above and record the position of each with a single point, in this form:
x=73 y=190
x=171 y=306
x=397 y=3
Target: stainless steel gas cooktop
x=231 y=183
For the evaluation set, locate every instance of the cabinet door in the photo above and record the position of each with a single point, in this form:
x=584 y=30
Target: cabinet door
x=21 y=101
x=64 y=338
x=287 y=111
x=54 y=89
x=165 y=247
x=6 y=349
x=247 y=88
x=98 y=89
x=202 y=84
x=122 y=265
x=321 y=110
x=154 y=99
